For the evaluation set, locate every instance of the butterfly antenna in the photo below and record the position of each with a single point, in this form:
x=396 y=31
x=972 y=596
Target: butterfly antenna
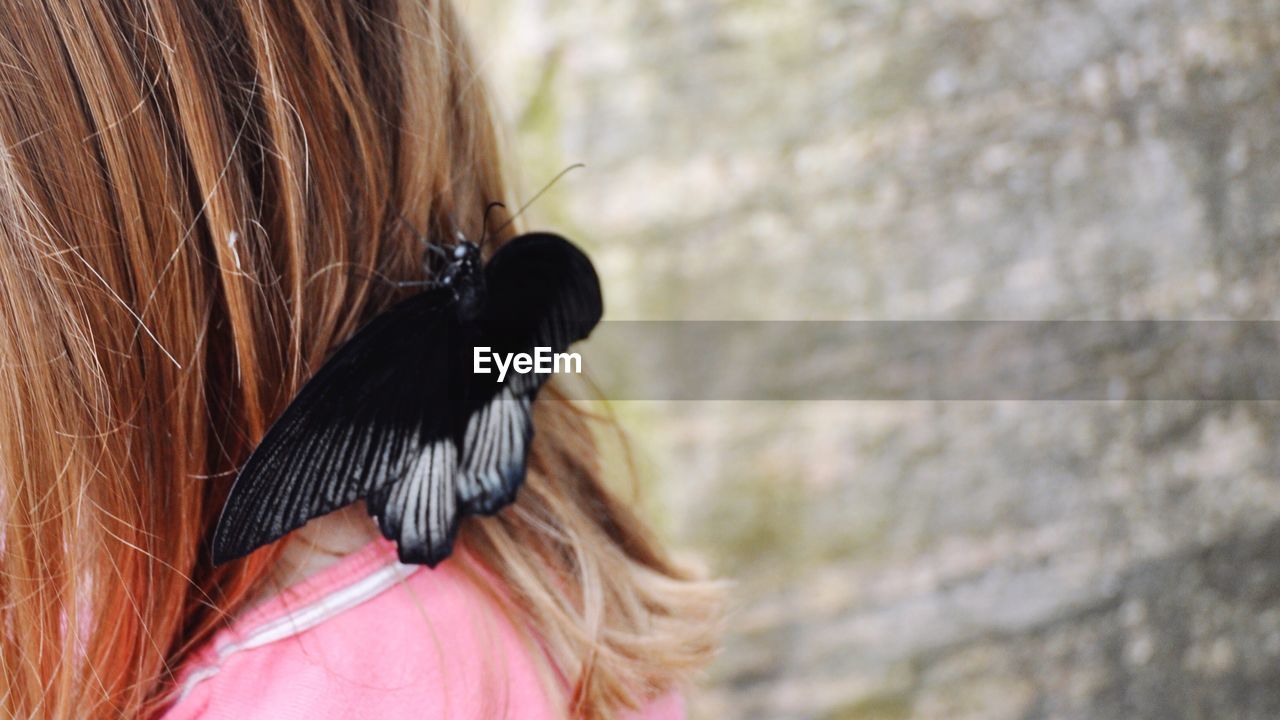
x=538 y=194
x=484 y=230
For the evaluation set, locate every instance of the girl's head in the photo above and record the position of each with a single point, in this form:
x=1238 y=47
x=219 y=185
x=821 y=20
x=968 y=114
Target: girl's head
x=198 y=201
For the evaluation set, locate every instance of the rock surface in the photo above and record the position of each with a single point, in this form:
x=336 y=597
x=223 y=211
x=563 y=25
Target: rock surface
x=943 y=159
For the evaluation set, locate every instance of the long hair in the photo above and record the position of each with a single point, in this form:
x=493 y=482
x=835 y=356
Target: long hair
x=198 y=201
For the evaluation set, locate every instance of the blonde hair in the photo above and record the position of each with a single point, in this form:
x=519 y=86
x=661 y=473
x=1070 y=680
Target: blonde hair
x=142 y=354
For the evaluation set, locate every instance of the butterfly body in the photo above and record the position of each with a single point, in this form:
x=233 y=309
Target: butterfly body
x=464 y=277
x=397 y=416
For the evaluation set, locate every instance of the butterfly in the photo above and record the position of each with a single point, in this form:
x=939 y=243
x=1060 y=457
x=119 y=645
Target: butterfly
x=398 y=417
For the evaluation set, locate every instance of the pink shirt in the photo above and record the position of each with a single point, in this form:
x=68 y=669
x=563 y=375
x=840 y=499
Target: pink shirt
x=371 y=638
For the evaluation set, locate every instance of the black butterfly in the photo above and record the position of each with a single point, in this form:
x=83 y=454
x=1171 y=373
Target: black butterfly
x=398 y=417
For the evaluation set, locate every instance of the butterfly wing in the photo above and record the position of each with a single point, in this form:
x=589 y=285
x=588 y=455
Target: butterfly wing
x=542 y=292
x=382 y=410
x=382 y=418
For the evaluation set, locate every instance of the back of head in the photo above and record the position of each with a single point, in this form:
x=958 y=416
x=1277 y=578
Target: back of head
x=198 y=200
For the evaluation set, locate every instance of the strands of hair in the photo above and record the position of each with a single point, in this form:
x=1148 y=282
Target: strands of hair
x=184 y=192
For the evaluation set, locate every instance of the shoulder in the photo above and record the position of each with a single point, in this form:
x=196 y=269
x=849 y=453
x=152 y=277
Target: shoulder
x=370 y=637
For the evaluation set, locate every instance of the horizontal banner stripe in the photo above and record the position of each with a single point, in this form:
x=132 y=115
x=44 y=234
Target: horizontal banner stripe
x=932 y=360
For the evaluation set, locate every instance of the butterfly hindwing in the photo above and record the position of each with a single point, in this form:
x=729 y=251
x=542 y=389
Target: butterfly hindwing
x=496 y=451
x=420 y=511
x=363 y=422
x=542 y=292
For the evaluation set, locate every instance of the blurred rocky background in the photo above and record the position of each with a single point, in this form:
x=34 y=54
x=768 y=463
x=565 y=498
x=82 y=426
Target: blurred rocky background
x=937 y=159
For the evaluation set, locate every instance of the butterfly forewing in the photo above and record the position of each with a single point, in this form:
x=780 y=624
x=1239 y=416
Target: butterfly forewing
x=543 y=292
x=356 y=426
